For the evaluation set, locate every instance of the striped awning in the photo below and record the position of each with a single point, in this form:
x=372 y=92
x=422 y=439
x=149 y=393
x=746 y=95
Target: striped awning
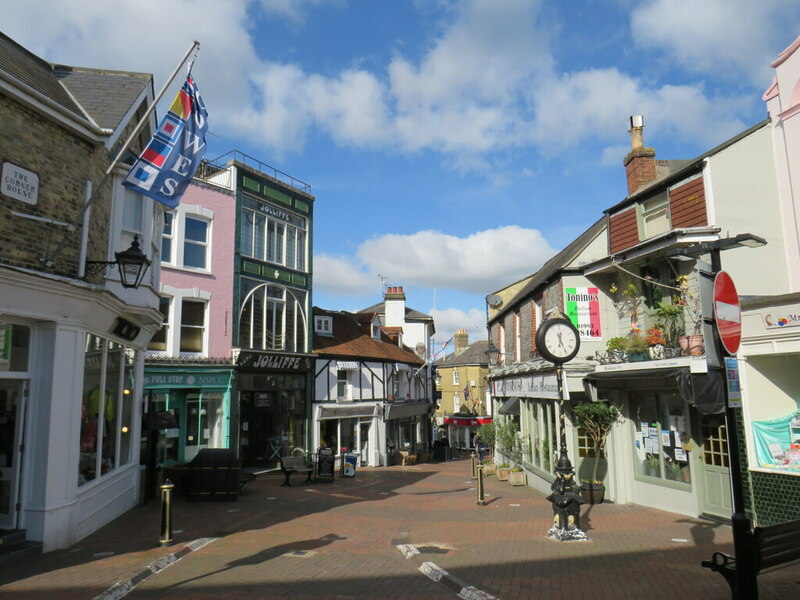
x=347 y=365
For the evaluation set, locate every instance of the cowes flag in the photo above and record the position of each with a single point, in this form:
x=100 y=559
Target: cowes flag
x=169 y=161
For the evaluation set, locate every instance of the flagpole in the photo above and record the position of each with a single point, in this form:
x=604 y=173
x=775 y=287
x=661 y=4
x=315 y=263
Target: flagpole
x=49 y=260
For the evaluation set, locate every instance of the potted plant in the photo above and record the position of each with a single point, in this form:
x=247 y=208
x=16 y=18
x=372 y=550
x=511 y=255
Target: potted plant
x=516 y=476
x=489 y=468
x=637 y=348
x=651 y=466
x=629 y=302
x=503 y=471
x=656 y=342
x=616 y=349
x=596 y=419
x=670 y=315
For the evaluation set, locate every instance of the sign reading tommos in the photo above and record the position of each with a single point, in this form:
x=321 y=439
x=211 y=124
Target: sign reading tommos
x=582 y=307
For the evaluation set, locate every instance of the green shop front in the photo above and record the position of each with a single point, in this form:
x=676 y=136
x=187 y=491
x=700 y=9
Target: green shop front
x=189 y=406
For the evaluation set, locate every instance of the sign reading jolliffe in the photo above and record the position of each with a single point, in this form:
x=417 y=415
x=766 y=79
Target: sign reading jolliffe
x=19 y=183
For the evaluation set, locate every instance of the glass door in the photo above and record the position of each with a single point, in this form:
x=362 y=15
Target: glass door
x=11 y=419
x=715 y=483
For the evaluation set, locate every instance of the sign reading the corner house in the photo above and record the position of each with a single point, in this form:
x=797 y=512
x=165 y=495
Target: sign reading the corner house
x=19 y=183
x=540 y=385
x=280 y=362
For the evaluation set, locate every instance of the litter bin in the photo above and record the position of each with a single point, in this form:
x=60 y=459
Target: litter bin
x=213 y=474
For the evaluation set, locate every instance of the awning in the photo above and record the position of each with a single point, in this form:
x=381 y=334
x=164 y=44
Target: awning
x=343 y=412
x=405 y=410
x=510 y=407
x=706 y=391
x=347 y=365
x=467 y=421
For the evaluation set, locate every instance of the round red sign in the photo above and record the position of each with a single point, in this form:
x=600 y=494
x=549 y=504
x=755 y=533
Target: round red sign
x=727 y=312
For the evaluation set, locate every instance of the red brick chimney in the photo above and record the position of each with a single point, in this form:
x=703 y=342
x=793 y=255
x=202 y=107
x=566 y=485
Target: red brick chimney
x=640 y=163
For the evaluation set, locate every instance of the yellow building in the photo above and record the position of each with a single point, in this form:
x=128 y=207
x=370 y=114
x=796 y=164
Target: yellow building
x=463 y=406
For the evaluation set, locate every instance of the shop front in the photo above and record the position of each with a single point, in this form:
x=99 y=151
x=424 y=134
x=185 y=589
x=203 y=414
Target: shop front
x=274 y=406
x=354 y=428
x=407 y=426
x=460 y=429
x=198 y=397
x=670 y=451
x=770 y=383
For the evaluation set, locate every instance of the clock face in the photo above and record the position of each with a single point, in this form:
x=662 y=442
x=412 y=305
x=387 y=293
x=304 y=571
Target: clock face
x=558 y=340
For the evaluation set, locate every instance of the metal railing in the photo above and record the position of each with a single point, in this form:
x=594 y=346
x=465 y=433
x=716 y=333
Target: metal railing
x=209 y=169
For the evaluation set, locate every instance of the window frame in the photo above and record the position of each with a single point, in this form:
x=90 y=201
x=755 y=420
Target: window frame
x=179 y=241
x=650 y=208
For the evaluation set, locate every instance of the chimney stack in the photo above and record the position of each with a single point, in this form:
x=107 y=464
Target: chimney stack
x=640 y=163
x=394 y=306
x=460 y=341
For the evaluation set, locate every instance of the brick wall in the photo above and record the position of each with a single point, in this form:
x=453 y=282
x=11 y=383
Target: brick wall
x=63 y=162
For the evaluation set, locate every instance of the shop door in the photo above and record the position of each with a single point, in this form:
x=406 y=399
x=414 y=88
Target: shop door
x=12 y=412
x=364 y=442
x=712 y=465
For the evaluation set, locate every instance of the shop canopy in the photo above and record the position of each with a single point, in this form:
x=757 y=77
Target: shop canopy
x=467 y=421
x=510 y=407
x=706 y=391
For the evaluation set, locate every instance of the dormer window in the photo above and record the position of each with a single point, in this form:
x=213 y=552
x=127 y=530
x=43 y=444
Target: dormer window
x=323 y=326
x=654 y=217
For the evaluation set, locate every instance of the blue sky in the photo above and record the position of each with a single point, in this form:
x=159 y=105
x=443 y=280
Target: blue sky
x=452 y=146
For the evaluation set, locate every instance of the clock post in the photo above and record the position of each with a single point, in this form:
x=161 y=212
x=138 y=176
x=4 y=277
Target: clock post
x=558 y=341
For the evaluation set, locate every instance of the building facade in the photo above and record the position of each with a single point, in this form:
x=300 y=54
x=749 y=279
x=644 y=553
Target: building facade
x=72 y=338
x=371 y=393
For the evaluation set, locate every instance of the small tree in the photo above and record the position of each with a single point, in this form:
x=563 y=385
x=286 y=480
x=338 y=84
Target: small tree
x=487 y=433
x=596 y=419
x=507 y=441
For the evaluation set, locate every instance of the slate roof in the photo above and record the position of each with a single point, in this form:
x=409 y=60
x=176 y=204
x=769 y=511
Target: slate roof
x=106 y=96
x=351 y=338
x=474 y=354
x=410 y=312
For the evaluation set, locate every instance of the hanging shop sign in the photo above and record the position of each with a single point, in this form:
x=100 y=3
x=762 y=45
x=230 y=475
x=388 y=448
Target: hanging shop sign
x=582 y=307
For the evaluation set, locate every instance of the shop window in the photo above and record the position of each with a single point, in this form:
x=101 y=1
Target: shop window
x=272 y=317
x=14 y=347
x=406 y=437
x=661 y=439
x=107 y=408
x=193 y=321
x=158 y=343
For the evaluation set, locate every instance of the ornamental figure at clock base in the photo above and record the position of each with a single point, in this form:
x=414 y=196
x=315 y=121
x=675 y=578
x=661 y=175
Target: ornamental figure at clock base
x=566 y=500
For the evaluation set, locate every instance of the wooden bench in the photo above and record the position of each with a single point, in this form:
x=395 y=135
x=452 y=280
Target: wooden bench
x=766 y=547
x=295 y=464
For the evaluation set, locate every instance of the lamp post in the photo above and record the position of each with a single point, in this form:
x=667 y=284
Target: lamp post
x=745 y=576
x=132 y=265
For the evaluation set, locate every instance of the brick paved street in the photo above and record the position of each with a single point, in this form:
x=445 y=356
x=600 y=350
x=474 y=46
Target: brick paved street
x=340 y=540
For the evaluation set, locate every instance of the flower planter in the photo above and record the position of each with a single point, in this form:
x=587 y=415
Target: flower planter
x=502 y=473
x=683 y=344
x=517 y=478
x=593 y=493
x=489 y=469
x=696 y=347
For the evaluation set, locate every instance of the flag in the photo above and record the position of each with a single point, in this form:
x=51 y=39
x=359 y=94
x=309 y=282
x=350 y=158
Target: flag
x=466 y=393
x=168 y=163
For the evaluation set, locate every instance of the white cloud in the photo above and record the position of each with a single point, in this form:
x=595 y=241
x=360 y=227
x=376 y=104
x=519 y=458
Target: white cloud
x=447 y=321
x=340 y=276
x=724 y=38
x=294 y=10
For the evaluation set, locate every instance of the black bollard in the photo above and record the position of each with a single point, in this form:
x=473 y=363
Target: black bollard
x=472 y=458
x=481 y=501
x=166 y=513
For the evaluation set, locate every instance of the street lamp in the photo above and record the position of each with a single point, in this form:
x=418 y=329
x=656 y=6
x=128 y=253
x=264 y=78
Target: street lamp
x=132 y=265
x=492 y=353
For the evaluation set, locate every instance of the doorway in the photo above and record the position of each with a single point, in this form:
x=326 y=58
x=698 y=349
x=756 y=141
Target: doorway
x=713 y=468
x=12 y=413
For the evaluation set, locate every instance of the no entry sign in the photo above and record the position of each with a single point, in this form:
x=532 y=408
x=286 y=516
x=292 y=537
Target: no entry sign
x=727 y=312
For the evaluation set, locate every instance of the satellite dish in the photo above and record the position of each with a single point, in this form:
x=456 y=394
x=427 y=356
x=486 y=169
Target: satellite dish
x=494 y=300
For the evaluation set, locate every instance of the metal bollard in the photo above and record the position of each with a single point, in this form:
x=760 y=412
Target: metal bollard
x=481 y=501
x=474 y=474
x=166 y=513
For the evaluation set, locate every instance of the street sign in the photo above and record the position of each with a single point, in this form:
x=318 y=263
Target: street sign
x=727 y=312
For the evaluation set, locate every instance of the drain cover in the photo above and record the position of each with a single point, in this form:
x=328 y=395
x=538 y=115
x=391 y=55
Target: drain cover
x=300 y=553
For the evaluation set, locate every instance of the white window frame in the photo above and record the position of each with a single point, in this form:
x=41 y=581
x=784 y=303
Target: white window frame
x=657 y=209
x=456 y=377
x=323 y=326
x=456 y=402
x=517 y=338
x=270 y=241
x=177 y=296
x=179 y=241
x=345 y=382
x=121 y=233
